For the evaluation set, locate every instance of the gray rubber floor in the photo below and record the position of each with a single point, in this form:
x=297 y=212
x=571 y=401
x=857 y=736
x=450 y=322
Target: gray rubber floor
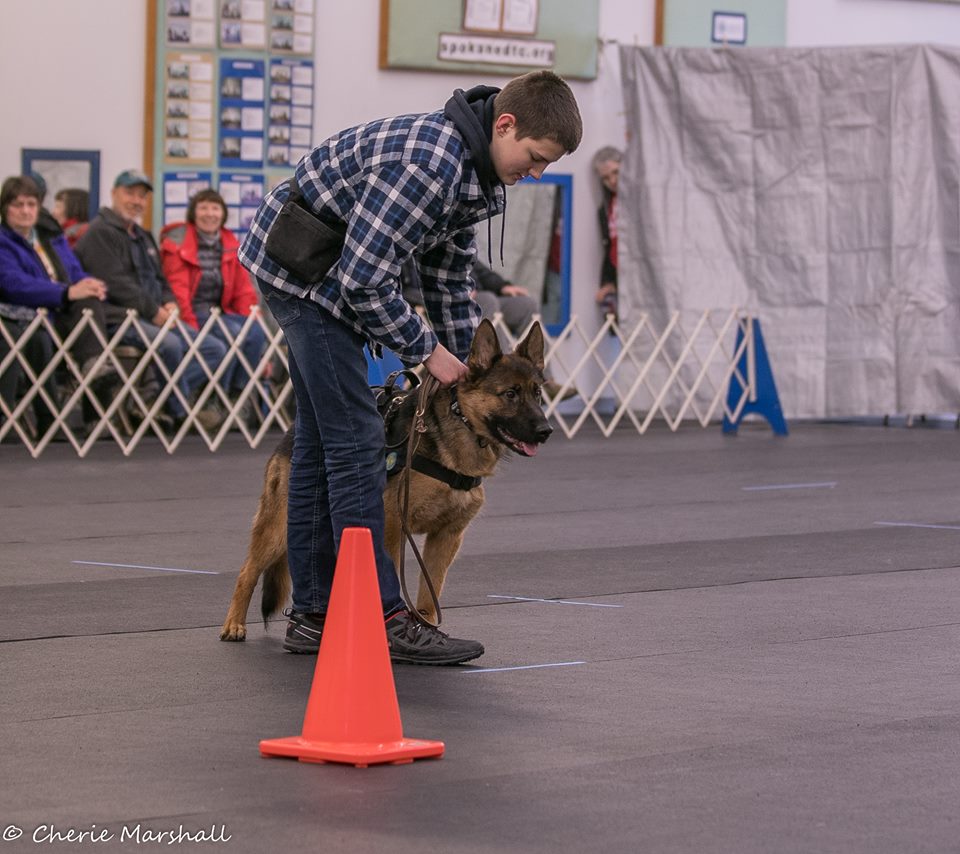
x=695 y=643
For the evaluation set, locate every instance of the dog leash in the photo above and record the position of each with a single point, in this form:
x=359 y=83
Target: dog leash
x=428 y=388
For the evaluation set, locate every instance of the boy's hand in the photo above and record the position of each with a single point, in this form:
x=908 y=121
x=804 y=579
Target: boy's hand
x=446 y=367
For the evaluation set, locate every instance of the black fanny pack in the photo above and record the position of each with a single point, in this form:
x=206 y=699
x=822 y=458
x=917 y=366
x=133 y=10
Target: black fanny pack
x=301 y=242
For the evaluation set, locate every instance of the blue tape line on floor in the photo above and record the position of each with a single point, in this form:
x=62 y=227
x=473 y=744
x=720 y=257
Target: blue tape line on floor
x=917 y=525
x=552 y=601
x=827 y=484
x=524 y=667
x=137 y=566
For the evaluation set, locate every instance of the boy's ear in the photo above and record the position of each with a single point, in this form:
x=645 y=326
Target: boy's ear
x=504 y=122
x=531 y=348
x=484 y=349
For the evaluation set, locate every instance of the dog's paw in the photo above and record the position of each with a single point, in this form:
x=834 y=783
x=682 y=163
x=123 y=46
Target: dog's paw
x=233 y=632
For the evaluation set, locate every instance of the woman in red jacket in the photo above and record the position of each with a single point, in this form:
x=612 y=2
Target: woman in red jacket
x=199 y=259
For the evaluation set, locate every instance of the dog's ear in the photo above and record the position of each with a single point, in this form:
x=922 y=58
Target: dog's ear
x=485 y=347
x=531 y=348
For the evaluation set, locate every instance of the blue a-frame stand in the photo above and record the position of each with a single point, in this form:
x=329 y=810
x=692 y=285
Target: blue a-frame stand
x=767 y=403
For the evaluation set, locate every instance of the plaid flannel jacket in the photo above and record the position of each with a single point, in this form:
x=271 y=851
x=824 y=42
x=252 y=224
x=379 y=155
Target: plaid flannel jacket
x=402 y=186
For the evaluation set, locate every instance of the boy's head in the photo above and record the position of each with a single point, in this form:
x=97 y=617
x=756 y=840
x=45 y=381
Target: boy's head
x=536 y=121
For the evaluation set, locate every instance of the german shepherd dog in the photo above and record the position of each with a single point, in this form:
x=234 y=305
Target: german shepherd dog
x=496 y=409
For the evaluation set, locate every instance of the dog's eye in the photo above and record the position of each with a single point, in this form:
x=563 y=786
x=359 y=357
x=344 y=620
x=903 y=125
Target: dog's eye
x=510 y=394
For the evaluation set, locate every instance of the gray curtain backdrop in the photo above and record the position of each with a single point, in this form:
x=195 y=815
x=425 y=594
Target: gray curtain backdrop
x=819 y=188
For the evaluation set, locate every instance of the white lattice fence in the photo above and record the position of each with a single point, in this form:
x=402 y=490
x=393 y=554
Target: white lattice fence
x=136 y=404
x=680 y=372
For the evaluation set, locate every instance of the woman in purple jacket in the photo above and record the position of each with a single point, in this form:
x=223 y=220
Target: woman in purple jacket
x=39 y=270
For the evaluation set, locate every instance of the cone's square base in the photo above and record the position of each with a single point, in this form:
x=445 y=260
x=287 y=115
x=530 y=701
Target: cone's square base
x=359 y=754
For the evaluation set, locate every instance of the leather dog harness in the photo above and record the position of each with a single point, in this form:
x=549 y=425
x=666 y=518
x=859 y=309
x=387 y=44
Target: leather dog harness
x=406 y=449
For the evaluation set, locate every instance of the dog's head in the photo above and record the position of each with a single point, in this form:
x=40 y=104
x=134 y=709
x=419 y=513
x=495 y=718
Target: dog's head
x=500 y=397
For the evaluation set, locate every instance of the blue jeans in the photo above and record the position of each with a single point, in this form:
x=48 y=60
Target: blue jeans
x=171 y=351
x=338 y=472
x=236 y=376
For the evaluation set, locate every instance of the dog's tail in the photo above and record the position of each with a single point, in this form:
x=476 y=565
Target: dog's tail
x=268 y=541
x=276 y=590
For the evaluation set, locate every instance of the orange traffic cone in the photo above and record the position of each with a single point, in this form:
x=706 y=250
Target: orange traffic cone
x=352 y=714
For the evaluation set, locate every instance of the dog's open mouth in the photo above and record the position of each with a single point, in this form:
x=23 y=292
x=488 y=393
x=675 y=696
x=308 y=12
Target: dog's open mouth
x=526 y=449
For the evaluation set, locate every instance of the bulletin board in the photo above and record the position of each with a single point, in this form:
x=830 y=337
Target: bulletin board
x=508 y=37
x=229 y=101
x=721 y=23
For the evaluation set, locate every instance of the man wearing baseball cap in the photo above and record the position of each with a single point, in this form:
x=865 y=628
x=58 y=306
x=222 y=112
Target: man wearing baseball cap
x=117 y=249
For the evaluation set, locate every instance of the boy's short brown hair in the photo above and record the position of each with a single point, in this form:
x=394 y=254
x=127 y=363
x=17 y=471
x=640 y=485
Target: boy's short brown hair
x=544 y=108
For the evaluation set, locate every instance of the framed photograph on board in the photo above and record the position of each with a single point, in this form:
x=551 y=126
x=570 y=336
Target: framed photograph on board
x=721 y=23
x=64 y=169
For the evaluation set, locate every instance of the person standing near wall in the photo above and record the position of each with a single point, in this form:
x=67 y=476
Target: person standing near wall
x=606 y=163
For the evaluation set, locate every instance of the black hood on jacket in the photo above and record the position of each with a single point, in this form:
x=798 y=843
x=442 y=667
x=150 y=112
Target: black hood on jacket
x=472 y=114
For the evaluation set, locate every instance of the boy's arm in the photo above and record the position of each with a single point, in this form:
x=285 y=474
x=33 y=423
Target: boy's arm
x=398 y=206
x=446 y=288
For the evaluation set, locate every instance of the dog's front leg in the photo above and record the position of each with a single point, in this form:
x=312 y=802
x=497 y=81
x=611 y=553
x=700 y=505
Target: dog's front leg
x=439 y=550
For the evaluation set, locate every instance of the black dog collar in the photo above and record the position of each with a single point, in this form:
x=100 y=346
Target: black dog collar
x=455 y=409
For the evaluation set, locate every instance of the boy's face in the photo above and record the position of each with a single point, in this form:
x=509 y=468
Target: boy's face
x=514 y=158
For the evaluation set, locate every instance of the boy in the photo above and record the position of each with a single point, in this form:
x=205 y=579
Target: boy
x=326 y=250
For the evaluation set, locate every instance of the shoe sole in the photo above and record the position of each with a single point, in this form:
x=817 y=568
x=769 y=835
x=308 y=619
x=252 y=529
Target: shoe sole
x=305 y=649
x=437 y=662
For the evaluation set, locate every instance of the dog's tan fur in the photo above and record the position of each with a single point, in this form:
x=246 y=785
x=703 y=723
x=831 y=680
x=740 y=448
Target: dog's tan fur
x=500 y=400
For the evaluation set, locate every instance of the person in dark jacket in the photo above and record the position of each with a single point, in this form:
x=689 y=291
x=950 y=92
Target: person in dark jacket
x=39 y=270
x=495 y=294
x=120 y=251
x=326 y=249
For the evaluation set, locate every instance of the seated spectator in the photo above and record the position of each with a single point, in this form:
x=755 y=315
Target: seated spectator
x=38 y=269
x=199 y=259
x=119 y=250
x=493 y=294
x=71 y=209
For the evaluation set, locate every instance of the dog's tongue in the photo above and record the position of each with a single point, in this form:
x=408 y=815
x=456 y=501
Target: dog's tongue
x=528 y=449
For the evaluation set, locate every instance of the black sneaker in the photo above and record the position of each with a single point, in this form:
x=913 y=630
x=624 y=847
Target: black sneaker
x=412 y=642
x=303 y=632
